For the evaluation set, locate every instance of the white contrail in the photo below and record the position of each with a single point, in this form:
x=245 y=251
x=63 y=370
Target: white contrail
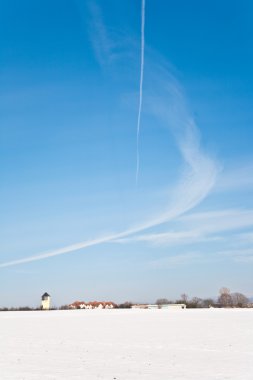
x=193 y=193
x=198 y=177
x=61 y=251
x=141 y=86
x=192 y=189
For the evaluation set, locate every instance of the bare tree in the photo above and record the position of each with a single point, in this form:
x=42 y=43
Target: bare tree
x=239 y=300
x=207 y=302
x=125 y=305
x=194 y=302
x=184 y=297
x=64 y=307
x=225 y=299
x=162 y=301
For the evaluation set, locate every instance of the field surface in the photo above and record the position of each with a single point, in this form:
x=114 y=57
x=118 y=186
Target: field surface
x=127 y=344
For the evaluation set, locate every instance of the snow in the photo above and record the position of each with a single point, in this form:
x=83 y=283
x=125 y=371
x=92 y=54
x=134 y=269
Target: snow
x=135 y=344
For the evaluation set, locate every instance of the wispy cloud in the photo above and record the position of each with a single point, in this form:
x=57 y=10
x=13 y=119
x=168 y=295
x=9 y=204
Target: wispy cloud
x=167 y=103
x=219 y=221
x=239 y=255
x=246 y=237
x=244 y=258
x=170 y=238
x=201 y=227
x=174 y=260
x=197 y=179
x=103 y=44
x=56 y=252
x=236 y=178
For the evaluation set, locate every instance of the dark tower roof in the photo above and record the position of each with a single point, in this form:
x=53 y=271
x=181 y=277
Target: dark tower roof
x=45 y=295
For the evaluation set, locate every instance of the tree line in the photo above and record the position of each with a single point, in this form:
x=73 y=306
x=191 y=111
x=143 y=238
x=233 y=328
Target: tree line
x=225 y=299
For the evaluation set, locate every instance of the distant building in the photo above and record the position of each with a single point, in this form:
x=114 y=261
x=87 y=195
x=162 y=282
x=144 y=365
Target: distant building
x=172 y=306
x=92 y=305
x=45 y=301
x=139 y=306
x=152 y=306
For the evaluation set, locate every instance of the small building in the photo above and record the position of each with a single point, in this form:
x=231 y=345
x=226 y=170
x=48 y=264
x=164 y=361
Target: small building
x=45 y=301
x=139 y=306
x=152 y=306
x=173 y=306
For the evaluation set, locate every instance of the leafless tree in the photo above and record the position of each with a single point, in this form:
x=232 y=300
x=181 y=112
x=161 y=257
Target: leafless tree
x=64 y=307
x=239 y=300
x=195 y=302
x=225 y=299
x=184 y=297
x=125 y=305
x=207 y=302
x=162 y=301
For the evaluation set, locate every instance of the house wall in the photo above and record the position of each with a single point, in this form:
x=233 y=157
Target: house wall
x=175 y=306
x=45 y=303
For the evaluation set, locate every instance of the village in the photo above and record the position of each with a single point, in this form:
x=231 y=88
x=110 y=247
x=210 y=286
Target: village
x=225 y=299
x=46 y=305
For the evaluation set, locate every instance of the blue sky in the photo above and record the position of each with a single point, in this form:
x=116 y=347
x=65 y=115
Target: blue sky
x=69 y=93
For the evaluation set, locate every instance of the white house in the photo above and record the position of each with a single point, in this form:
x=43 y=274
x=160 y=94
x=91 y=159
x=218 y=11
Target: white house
x=45 y=301
x=173 y=306
x=152 y=306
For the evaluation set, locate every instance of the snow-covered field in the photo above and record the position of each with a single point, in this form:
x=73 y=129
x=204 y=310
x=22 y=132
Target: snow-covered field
x=127 y=344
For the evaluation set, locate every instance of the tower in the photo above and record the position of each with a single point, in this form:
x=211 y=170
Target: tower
x=45 y=301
